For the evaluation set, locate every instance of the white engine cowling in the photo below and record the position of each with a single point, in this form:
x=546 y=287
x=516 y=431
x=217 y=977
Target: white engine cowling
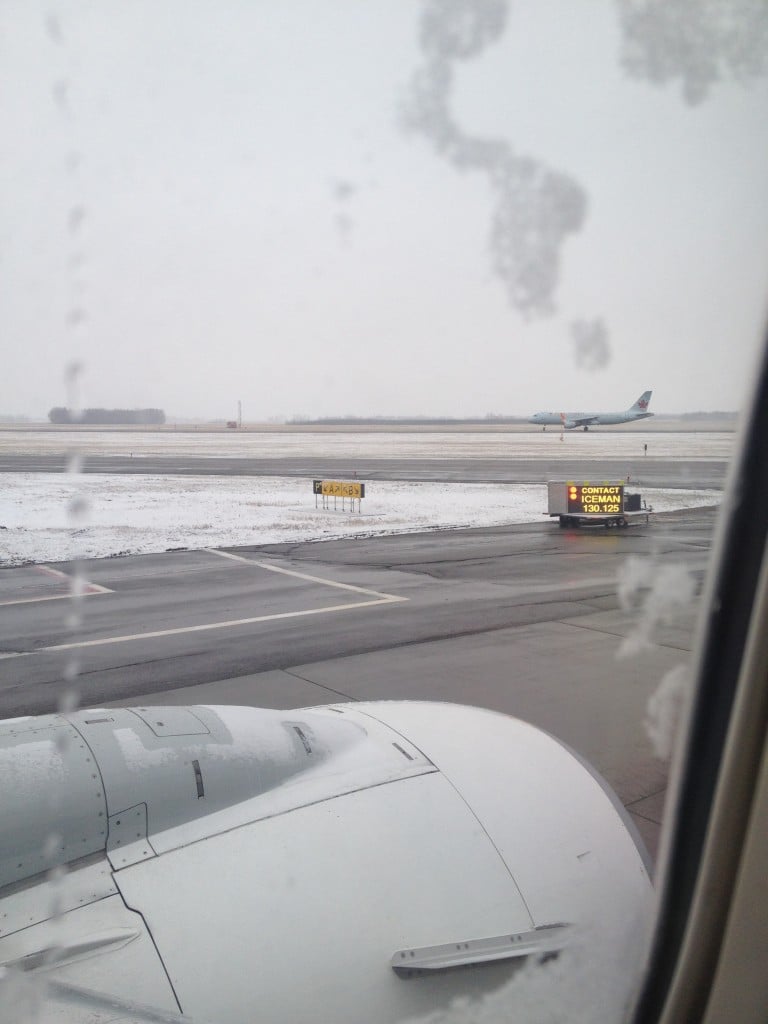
x=373 y=861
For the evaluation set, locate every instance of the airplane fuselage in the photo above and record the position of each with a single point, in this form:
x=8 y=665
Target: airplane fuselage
x=572 y=420
x=585 y=420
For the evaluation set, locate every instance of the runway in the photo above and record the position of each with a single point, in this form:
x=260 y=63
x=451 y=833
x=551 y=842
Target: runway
x=652 y=472
x=656 y=458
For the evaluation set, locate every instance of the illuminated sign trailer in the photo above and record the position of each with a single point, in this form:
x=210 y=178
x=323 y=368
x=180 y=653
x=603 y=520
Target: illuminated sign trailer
x=605 y=503
x=600 y=499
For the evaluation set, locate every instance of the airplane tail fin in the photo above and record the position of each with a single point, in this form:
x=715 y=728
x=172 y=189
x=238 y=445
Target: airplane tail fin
x=641 y=405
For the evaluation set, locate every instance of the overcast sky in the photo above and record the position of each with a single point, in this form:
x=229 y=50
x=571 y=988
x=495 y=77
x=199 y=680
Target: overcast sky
x=374 y=207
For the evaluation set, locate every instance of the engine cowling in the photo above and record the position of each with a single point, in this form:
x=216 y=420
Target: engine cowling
x=376 y=860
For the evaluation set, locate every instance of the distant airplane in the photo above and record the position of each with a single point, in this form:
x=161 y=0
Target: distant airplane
x=572 y=420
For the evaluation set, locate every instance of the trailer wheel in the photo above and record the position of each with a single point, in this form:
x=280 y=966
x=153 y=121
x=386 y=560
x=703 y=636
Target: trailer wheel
x=624 y=523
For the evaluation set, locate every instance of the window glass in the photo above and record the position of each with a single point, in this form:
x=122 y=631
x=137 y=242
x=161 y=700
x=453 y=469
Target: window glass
x=450 y=210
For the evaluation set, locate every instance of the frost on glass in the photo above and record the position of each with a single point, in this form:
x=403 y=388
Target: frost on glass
x=22 y=995
x=696 y=42
x=343 y=193
x=78 y=511
x=590 y=339
x=665 y=710
x=657 y=593
x=534 y=206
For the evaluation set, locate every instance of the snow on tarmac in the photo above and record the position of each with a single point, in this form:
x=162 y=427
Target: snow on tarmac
x=536 y=444
x=57 y=517
x=47 y=517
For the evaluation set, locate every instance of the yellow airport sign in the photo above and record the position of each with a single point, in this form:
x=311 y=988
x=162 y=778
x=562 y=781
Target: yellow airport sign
x=339 y=488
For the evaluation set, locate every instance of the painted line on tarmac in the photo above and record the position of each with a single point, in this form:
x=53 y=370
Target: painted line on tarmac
x=55 y=597
x=379 y=598
x=387 y=599
x=86 y=589
x=305 y=576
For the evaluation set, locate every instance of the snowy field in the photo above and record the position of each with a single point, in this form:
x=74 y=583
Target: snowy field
x=57 y=517
x=538 y=444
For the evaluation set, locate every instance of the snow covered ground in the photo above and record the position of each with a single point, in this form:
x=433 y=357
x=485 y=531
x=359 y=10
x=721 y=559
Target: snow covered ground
x=535 y=444
x=56 y=517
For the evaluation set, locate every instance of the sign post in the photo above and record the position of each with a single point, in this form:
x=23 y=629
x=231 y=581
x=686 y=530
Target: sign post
x=327 y=489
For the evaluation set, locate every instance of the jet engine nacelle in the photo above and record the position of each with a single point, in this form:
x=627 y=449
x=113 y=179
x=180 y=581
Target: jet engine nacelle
x=356 y=861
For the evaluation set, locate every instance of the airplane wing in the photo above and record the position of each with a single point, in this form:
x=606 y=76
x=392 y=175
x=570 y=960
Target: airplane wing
x=580 y=421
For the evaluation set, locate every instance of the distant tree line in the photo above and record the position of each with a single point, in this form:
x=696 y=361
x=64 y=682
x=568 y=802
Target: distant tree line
x=716 y=415
x=139 y=416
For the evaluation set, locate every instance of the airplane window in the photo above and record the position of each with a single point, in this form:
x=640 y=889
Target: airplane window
x=382 y=468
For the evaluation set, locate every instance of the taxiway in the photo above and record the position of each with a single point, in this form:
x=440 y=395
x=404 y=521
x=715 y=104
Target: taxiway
x=522 y=619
